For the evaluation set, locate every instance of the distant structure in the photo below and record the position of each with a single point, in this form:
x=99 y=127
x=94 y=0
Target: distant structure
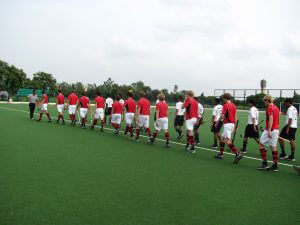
x=263 y=85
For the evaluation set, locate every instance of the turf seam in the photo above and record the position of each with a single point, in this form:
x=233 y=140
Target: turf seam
x=162 y=140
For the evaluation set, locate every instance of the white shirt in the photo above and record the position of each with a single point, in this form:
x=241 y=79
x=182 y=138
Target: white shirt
x=200 y=109
x=180 y=110
x=109 y=102
x=292 y=113
x=217 y=111
x=121 y=101
x=253 y=113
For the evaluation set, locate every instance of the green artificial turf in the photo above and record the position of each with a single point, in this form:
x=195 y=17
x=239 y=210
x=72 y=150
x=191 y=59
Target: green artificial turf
x=54 y=174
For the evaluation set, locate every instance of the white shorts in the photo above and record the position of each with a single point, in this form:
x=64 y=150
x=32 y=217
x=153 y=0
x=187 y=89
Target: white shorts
x=116 y=118
x=44 y=107
x=60 y=108
x=83 y=112
x=190 y=124
x=228 y=130
x=265 y=140
x=129 y=118
x=72 y=109
x=99 y=113
x=161 y=123
x=144 y=121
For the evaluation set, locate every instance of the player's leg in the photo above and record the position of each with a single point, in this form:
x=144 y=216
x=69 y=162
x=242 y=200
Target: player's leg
x=138 y=127
x=238 y=155
x=166 y=131
x=190 y=135
x=292 y=138
x=281 y=143
x=147 y=127
x=48 y=116
x=96 y=117
x=264 y=140
x=118 y=120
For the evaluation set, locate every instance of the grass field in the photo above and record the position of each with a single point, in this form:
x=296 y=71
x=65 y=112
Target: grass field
x=54 y=174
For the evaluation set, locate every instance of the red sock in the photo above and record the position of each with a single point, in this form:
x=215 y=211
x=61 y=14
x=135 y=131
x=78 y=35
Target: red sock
x=62 y=117
x=95 y=122
x=58 y=118
x=148 y=132
x=233 y=149
x=155 y=134
x=102 y=123
x=48 y=115
x=117 y=126
x=191 y=138
x=137 y=133
x=71 y=116
x=187 y=138
x=275 y=156
x=83 y=121
x=222 y=145
x=263 y=154
x=41 y=115
x=167 y=136
x=131 y=131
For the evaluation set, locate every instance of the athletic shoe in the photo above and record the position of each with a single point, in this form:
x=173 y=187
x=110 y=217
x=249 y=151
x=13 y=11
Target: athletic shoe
x=101 y=129
x=38 y=120
x=192 y=149
x=219 y=156
x=274 y=168
x=137 y=139
x=168 y=145
x=180 y=137
x=186 y=147
x=238 y=157
x=63 y=123
x=151 y=140
x=116 y=132
x=214 y=146
x=291 y=158
x=282 y=156
x=92 y=127
x=244 y=151
x=264 y=166
x=57 y=121
x=197 y=142
x=297 y=168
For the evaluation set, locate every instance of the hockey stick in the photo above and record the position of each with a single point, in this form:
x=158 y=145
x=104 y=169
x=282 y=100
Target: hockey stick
x=286 y=140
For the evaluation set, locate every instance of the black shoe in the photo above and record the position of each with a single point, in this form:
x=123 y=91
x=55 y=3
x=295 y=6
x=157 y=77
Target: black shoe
x=197 y=142
x=168 y=145
x=180 y=137
x=186 y=147
x=192 y=149
x=264 y=166
x=151 y=140
x=92 y=127
x=291 y=158
x=219 y=156
x=49 y=121
x=244 y=151
x=116 y=132
x=238 y=157
x=274 y=168
x=282 y=155
x=57 y=121
x=101 y=129
x=214 y=146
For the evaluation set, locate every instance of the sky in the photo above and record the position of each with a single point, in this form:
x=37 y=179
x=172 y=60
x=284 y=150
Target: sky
x=196 y=44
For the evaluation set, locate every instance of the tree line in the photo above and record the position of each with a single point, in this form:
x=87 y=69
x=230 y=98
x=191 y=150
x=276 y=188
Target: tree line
x=13 y=78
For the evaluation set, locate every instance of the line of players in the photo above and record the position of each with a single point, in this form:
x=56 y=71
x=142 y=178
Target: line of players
x=137 y=115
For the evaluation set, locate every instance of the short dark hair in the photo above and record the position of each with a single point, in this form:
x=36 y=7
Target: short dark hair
x=142 y=94
x=98 y=93
x=227 y=96
x=288 y=101
x=43 y=92
x=59 y=91
x=83 y=93
x=180 y=98
x=217 y=100
x=33 y=91
x=252 y=101
x=118 y=97
x=130 y=94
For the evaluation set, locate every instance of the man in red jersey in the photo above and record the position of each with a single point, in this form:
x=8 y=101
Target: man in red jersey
x=191 y=113
x=72 y=103
x=84 y=104
x=270 y=135
x=116 y=116
x=143 y=115
x=44 y=108
x=60 y=105
x=229 y=117
x=161 y=121
x=129 y=110
x=99 y=112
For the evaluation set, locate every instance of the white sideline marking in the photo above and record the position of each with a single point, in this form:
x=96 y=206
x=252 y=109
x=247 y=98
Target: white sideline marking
x=178 y=143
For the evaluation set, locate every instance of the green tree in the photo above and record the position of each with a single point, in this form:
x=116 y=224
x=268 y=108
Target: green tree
x=45 y=81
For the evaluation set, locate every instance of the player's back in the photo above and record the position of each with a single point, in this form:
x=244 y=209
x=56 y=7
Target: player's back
x=73 y=98
x=229 y=110
x=117 y=107
x=163 y=109
x=84 y=101
x=144 y=105
x=130 y=105
x=99 y=102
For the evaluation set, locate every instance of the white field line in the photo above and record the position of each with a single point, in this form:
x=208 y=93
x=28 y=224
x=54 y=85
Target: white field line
x=173 y=142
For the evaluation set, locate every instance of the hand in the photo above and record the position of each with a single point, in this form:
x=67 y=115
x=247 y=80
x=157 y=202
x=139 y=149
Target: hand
x=255 y=129
x=269 y=134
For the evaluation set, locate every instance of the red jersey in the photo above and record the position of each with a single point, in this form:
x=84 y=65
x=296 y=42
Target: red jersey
x=191 y=108
x=84 y=102
x=60 y=99
x=117 y=107
x=273 y=110
x=72 y=99
x=229 y=112
x=130 y=105
x=99 y=102
x=45 y=99
x=144 y=106
x=163 y=109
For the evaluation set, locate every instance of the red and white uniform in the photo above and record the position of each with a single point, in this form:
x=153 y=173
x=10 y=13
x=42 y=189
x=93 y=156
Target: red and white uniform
x=272 y=110
x=72 y=99
x=162 y=122
x=144 y=117
x=45 y=101
x=60 y=99
x=117 y=109
x=191 y=113
x=229 y=112
x=99 y=112
x=130 y=106
x=84 y=106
